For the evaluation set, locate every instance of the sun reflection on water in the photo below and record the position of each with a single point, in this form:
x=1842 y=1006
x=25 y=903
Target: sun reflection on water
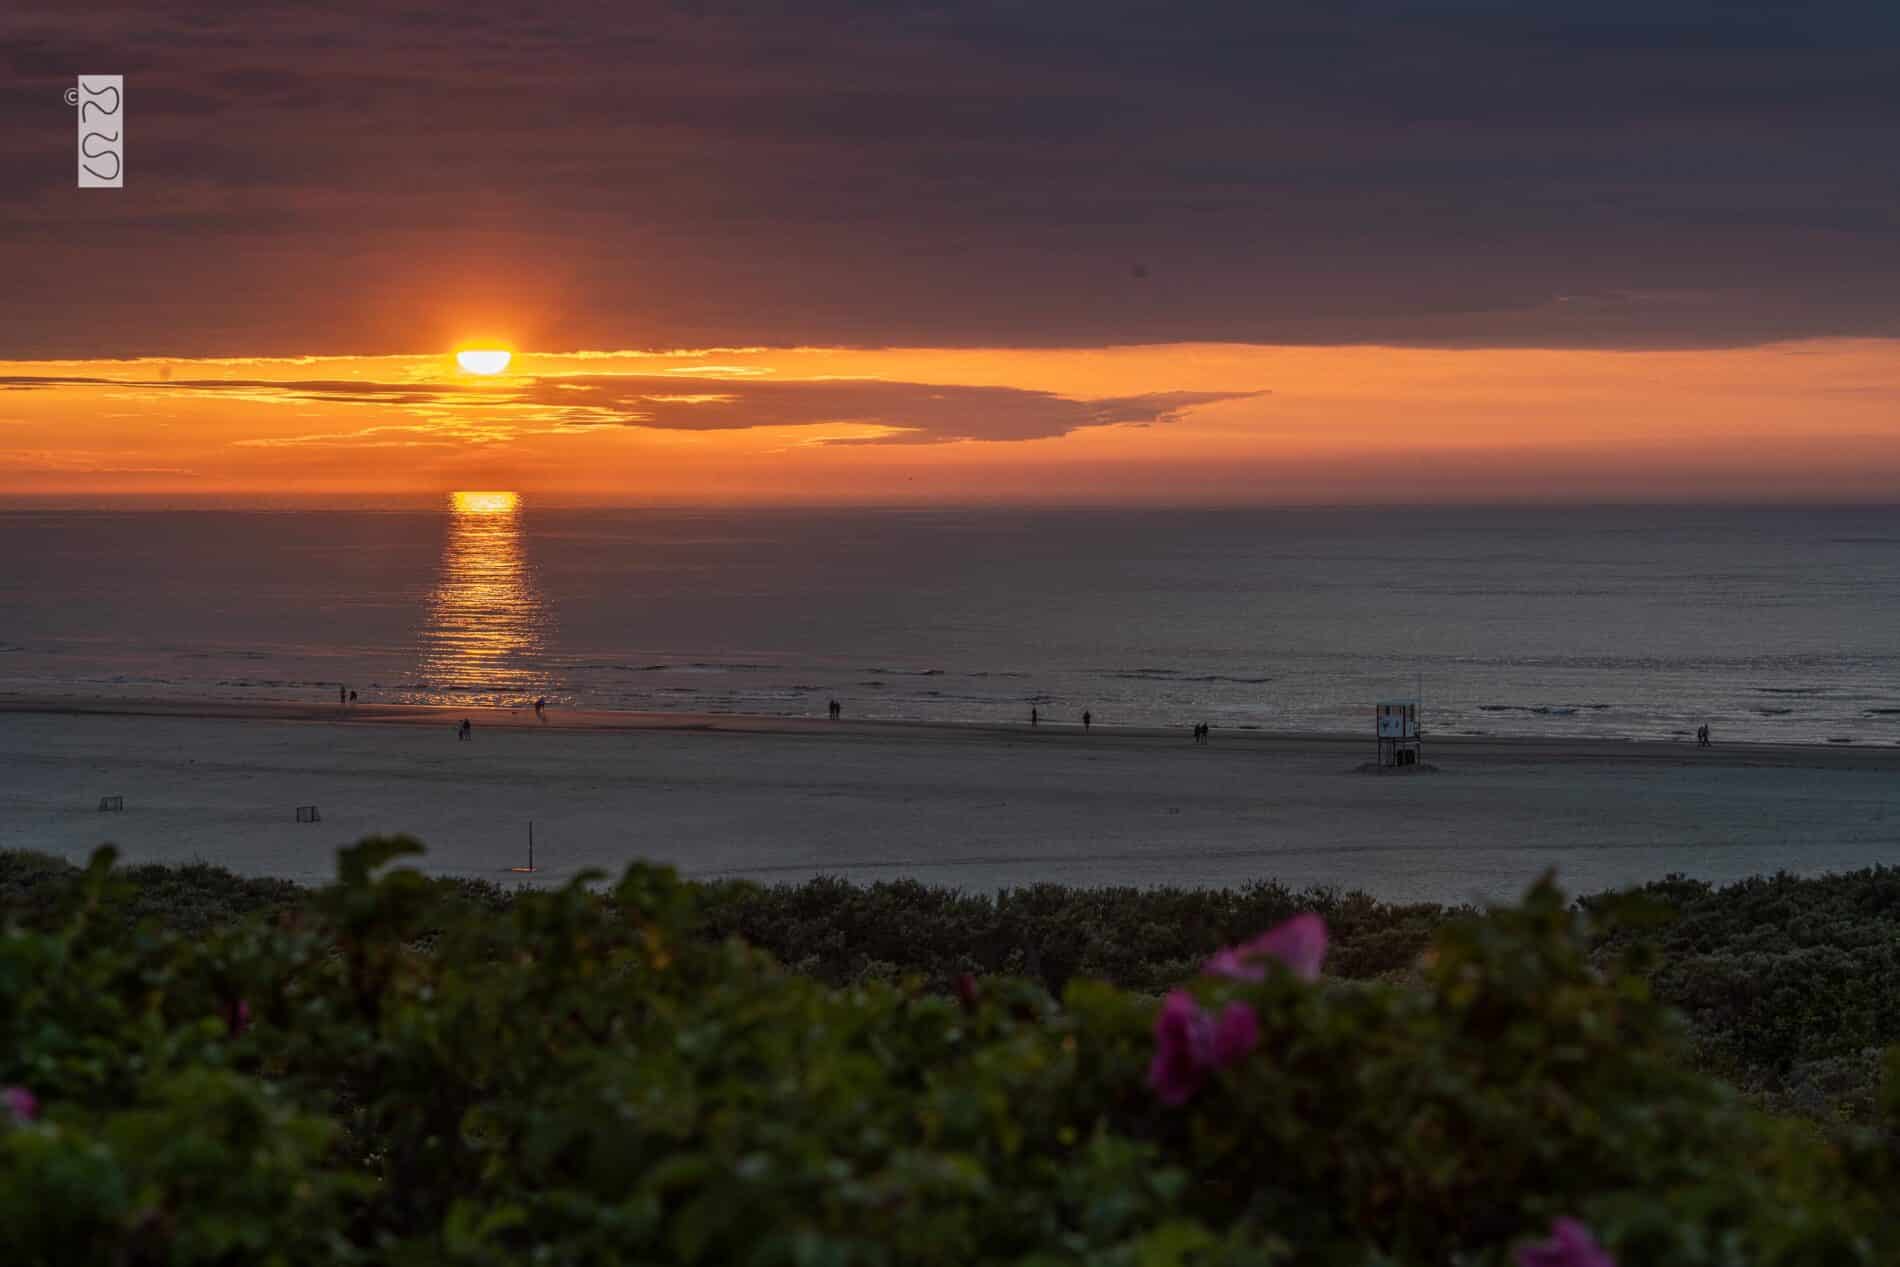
x=487 y=625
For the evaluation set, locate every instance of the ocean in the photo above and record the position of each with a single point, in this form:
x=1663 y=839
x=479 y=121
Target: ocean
x=1779 y=624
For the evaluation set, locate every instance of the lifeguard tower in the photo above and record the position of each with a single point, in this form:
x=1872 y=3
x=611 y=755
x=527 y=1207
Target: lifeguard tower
x=1397 y=724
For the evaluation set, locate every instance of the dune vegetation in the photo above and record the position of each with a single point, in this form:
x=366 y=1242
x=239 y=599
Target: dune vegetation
x=204 y=1068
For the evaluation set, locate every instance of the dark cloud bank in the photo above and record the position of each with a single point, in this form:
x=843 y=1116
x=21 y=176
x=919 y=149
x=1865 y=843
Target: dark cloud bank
x=920 y=413
x=1582 y=172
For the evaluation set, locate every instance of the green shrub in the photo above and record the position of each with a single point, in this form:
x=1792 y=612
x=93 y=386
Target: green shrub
x=1791 y=986
x=401 y=1071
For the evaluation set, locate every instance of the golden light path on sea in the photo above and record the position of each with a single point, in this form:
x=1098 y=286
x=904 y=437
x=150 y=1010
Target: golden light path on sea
x=487 y=623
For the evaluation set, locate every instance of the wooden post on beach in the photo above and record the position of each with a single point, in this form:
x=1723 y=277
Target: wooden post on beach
x=530 y=866
x=1418 y=731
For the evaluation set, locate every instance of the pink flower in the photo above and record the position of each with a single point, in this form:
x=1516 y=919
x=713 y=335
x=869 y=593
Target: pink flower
x=1300 y=944
x=1190 y=1044
x=1570 y=1245
x=20 y=1103
x=237 y=1018
x=1236 y=1034
x=1184 y=1049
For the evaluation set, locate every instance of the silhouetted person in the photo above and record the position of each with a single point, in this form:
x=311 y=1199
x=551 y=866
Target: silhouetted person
x=836 y=709
x=466 y=730
x=352 y=697
x=541 y=708
x=341 y=695
x=1088 y=719
x=1035 y=718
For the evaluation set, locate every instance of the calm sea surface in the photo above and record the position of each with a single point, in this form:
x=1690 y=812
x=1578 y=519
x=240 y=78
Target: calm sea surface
x=1779 y=624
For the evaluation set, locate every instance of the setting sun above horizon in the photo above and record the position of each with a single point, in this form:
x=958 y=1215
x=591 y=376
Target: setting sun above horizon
x=484 y=502
x=484 y=360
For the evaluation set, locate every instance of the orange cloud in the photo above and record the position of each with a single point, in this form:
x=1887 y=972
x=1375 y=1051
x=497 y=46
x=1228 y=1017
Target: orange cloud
x=1817 y=420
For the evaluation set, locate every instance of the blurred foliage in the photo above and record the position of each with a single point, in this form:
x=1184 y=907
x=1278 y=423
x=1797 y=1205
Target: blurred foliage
x=1791 y=986
x=399 y=1070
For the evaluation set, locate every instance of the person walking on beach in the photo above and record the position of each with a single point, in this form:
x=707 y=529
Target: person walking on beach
x=341 y=695
x=465 y=730
x=541 y=709
x=836 y=710
x=352 y=699
x=1035 y=718
x=1088 y=719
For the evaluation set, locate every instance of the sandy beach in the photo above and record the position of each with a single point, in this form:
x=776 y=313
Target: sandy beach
x=973 y=806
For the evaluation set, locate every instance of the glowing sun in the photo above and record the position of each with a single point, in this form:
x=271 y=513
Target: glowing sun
x=484 y=360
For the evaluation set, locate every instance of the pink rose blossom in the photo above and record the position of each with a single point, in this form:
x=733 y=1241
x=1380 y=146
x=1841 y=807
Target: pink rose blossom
x=1300 y=944
x=1184 y=1049
x=20 y=1103
x=1235 y=1035
x=1190 y=1044
x=1570 y=1245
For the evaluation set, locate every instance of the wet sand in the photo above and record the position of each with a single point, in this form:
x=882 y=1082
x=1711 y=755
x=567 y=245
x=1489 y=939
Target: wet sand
x=974 y=806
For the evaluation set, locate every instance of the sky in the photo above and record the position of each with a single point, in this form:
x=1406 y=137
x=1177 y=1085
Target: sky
x=1347 y=251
